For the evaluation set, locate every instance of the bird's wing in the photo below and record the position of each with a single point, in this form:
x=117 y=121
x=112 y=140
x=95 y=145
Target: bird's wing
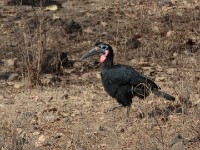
x=126 y=75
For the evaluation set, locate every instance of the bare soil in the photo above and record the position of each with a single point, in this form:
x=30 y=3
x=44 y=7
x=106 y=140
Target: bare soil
x=163 y=41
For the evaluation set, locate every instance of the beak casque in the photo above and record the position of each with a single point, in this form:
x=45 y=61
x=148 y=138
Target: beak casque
x=93 y=52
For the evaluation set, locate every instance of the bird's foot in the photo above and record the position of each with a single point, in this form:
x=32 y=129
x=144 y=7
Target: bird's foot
x=113 y=108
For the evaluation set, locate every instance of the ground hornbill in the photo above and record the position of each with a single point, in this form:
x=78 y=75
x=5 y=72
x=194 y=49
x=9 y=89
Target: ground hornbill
x=121 y=81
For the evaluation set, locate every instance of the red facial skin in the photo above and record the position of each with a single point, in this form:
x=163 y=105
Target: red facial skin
x=103 y=57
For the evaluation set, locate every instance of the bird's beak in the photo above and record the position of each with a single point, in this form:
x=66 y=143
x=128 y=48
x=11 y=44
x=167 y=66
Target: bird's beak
x=93 y=52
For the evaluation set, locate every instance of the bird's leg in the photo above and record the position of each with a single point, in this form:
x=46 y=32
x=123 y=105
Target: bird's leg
x=128 y=111
x=114 y=107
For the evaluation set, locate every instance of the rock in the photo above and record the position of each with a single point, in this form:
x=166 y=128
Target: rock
x=51 y=118
x=49 y=79
x=159 y=79
x=179 y=146
x=36 y=133
x=169 y=33
x=63 y=114
x=19 y=130
x=8 y=76
x=69 y=71
x=68 y=144
x=2 y=97
x=46 y=79
x=54 y=17
x=41 y=141
x=88 y=75
x=133 y=62
x=197 y=101
x=88 y=30
x=78 y=64
x=179 y=14
x=58 y=135
x=155 y=29
x=11 y=83
x=18 y=85
x=1 y=106
x=13 y=76
x=163 y=2
x=104 y=33
x=9 y=64
x=98 y=75
x=177 y=143
x=171 y=70
x=52 y=8
x=64 y=96
x=89 y=14
x=197 y=96
x=103 y=23
x=82 y=148
x=175 y=54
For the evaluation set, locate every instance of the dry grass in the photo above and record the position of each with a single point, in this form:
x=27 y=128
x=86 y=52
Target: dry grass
x=71 y=116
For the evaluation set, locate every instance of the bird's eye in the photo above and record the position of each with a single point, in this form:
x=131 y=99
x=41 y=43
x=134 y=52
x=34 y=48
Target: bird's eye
x=103 y=46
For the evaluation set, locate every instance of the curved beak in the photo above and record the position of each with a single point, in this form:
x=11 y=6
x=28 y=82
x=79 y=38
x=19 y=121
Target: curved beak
x=93 y=52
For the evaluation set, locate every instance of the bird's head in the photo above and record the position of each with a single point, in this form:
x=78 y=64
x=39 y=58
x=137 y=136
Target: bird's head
x=104 y=50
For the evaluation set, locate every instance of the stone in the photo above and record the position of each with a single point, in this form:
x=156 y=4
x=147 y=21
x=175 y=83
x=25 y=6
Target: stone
x=13 y=76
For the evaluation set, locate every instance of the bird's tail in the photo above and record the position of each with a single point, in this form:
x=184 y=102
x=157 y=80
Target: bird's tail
x=163 y=94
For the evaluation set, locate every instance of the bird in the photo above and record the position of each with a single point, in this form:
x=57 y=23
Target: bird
x=123 y=82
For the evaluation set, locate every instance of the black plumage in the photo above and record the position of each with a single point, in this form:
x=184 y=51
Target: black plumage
x=122 y=82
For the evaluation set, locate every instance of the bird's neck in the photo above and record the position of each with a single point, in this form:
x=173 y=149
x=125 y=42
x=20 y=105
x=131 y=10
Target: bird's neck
x=108 y=62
